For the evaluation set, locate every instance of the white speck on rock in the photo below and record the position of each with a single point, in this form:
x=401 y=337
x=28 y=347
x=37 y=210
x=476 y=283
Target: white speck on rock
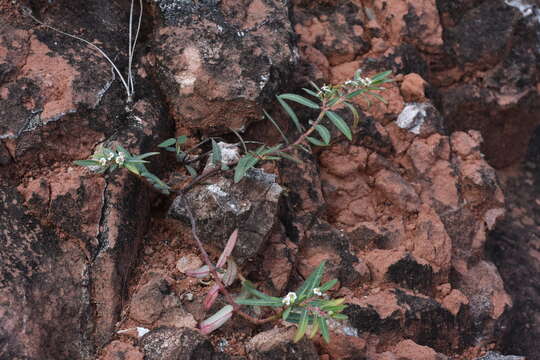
x=412 y=117
x=215 y=189
x=524 y=8
x=141 y=331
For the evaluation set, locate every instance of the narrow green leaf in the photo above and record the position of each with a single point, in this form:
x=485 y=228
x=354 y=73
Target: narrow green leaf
x=191 y=170
x=378 y=97
x=310 y=92
x=336 y=309
x=171 y=149
x=328 y=285
x=294 y=317
x=137 y=161
x=119 y=148
x=289 y=157
x=333 y=101
x=340 y=317
x=167 y=143
x=356 y=93
x=276 y=126
x=312 y=280
x=314 y=328
x=144 y=156
x=315 y=86
x=286 y=313
x=216 y=153
x=240 y=138
x=299 y=99
x=324 y=329
x=181 y=139
x=245 y=163
x=381 y=75
x=316 y=141
x=87 y=162
x=354 y=113
x=291 y=114
x=325 y=134
x=340 y=124
x=259 y=302
x=131 y=168
x=302 y=326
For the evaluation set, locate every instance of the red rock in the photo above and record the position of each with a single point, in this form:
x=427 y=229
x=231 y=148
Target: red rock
x=409 y=350
x=412 y=88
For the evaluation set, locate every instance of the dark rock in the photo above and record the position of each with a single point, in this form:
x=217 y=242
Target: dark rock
x=250 y=205
x=367 y=319
x=493 y=355
x=168 y=343
x=411 y=275
x=217 y=61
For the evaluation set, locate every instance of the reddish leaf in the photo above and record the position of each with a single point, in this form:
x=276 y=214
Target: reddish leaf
x=216 y=320
x=211 y=297
x=228 y=249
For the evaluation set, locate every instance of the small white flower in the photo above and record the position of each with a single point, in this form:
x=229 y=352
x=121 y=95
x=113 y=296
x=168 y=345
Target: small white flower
x=317 y=292
x=326 y=89
x=110 y=156
x=102 y=161
x=350 y=83
x=330 y=313
x=120 y=159
x=289 y=299
x=366 y=81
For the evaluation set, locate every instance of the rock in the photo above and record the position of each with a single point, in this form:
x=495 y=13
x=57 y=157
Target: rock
x=397 y=190
x=330 y=245
x=409 y=350
x=168 y=343
x=342 y=347
x=217 y=61
x=118 y=350
x=421 y=119
x=250 y=205
x=493 y=355
x=155 y=302
x=507 y=90
x=59 y=101
x=412 y=88
x=279 y=260
x=278 y=344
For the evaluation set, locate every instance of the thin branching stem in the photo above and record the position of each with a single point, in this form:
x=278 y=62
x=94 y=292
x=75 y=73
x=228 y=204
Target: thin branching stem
x=213 y=269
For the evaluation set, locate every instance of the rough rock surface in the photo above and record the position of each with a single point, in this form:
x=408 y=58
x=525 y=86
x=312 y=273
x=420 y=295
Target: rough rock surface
x=232 y=57
x=168 y=343
x=277 y=344
x=402 y=214
x=223 y=206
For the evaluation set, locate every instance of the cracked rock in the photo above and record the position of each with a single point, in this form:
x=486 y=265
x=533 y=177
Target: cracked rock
x=250 y=205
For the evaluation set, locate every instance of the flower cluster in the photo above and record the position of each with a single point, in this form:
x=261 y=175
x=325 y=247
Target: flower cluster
x=289 y=299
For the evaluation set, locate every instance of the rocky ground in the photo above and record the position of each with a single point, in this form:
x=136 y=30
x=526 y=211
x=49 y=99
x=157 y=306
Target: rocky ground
x=429 y=218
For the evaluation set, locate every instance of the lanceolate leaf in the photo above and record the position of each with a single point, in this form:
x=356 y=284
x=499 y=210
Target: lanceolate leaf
x=200 y=273
x=381 y=75
x=229 y=247
x=302 y=326
x=378 y=97
x=167 y=143
x=289 y=157
x=216 y=153
x=314 y=328
x=216 y=320
x=355 y=114
x=325 y=134
x=310 y=92
x=315 y=141
x=356 y=93
x=299 y=99
x=211 y=297
x=286 y=313
x=245 y=163
x=87 y=162
x=251 y=289
x=191 y=170
x=312 y=280
x=260 y=302
x=324 y=329
x=291 y=114
x=144 y=156
x=328 y=285
x=340 y=124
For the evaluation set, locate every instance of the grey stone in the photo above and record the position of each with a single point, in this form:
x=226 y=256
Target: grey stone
x=250 y=205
